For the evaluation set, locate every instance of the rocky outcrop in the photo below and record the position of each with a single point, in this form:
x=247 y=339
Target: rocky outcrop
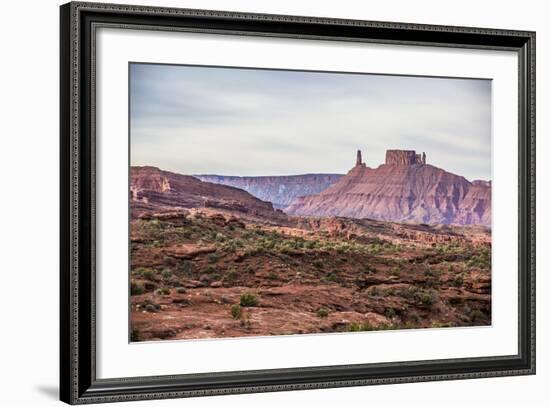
x=404 y=189
x=279 y=190
x=155 y=189
x=401 y=157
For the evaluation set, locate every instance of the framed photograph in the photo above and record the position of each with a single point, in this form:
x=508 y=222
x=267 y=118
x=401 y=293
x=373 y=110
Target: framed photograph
x=254 y=203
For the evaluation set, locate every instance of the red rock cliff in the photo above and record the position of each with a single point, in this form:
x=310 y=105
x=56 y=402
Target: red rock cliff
x=404 y=189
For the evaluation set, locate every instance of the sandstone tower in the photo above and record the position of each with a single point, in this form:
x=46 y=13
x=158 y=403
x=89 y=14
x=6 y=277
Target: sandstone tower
x=359 y=160
x=404 y=157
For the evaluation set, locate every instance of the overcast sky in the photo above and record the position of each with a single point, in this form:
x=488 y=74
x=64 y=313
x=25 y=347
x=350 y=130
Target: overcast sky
x=201 y=120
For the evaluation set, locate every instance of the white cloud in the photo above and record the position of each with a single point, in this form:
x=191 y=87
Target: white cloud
x=261 y=122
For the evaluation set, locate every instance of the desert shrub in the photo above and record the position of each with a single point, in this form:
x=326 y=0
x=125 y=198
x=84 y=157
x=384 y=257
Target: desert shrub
x=162 y=291
x=136 y=288
x=236 y=311
x=458 y=281
x=249 y=300
x=150 y=306
x=331 y=277
x=186 y=234
x=482 y=260
x=181 y=290
x=390 y=313
x=425 y=297
x=230 y=275
x=173 y=281
x=148 y=274
x=272 y=275
x=428 y=271
x=210 y=270
x=230 y=246
x=145 y=272
x=153 y=229
x=476 y=315
x=187 y=268
x=369 y=270
x=395 y=272
x=415 y=317
x=322 y=312
x=166 y=274
x=318 y=264
x=212 y=258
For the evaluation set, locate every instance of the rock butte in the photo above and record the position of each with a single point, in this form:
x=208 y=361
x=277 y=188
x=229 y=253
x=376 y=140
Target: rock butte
x=403 y=189
x=155 y=189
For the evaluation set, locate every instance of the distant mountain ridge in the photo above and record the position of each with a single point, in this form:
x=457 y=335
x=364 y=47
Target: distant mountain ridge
x=279 y=190
x=403 y=189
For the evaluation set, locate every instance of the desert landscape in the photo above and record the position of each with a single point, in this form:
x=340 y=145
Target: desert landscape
x=403 y=245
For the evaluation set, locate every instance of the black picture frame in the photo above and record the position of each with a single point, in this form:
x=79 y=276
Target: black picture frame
x=78 y=382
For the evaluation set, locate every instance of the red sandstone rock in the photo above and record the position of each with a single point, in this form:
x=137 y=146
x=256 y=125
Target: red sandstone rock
x=402 y=190
x=152 y=188
x=401 y=157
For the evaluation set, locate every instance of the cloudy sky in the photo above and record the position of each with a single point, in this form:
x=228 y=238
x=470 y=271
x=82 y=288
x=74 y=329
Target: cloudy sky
x=202 y=120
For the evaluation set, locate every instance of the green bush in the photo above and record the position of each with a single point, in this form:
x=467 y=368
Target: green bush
x=148 y=274
x=249 y=300
x=236 y=311
x=210 y=270
x=458 y=281
x=331 y=277
x=145 y=272
x=369 y=270
x=136 y=288
x=273 y=276
x=476 y=315
x=322 y=312
x=426 y=297
x=149 y=305
x=187 y=268
x=230 y=275
x=390 y=313
x=151 y=308
x=319 y=264
x=162 y=291
x=212 y=258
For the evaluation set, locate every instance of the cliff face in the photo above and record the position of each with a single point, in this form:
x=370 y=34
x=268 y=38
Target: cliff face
x=279 y=190
x=404 y=189
x=153 y=188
